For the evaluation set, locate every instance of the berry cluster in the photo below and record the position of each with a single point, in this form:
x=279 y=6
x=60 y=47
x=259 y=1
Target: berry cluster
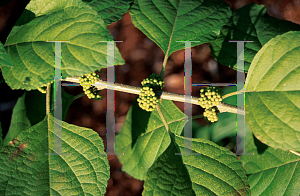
x=87 y=81
x=210 y=97
x=147 y=99
x=211 y=114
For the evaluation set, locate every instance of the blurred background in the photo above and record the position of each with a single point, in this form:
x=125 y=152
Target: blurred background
x=143 y=57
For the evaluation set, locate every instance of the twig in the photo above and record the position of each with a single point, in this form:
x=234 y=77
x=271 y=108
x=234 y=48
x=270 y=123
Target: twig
x=48 y=98
x=101 y=84
x=162 y=117
x=294 y=152
x=233 y=93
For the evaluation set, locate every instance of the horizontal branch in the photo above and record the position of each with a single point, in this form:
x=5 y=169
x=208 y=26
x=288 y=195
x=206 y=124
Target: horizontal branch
x=101 y=84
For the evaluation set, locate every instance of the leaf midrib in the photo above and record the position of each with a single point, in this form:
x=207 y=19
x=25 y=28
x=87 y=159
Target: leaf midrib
x=149 y=132
x=211 y=158
x=213 y=175
x=170 y=40
x=86 y=159
x=274 y=167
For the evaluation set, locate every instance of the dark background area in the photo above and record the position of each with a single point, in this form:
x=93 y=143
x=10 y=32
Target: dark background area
x=142 y=57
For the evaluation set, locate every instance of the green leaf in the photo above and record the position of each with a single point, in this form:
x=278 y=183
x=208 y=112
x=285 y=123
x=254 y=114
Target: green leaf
x=249 y=23
x=281 y=180
x=166 y=22
x=268 y=27
x=32 y=56
x=281 y=63
x=31 y=109
x=264 y=157
x=240 y=27
x=110 y=11
x=213 y=172
x=168 y=175
x=272 y=93
x=36 y=105
x=19 y=121
x=273 y=171
x=4 y=58
x=26 y=170
x=66 y=101
x=48 y=7
x=143 y=137
x=224 y=128
x=25 y=18
x=200 y=130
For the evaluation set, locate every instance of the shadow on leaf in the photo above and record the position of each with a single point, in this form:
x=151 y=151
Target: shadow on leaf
x=139 y=121
x=261 y=147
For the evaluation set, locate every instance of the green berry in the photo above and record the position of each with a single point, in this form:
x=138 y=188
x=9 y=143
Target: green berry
x=86 y=82
x=147 y=98
x=210 y=114
x=210 y=97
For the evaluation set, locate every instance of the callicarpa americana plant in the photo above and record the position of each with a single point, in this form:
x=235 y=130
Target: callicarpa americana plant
x=64 y=42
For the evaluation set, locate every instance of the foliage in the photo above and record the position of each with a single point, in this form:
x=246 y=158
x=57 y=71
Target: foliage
x=150 y=144
x=249 y=23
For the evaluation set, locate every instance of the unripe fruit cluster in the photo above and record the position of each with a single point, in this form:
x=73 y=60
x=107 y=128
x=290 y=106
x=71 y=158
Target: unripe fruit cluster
x=87 y=81
x=211 y=114
x=147 y=99
x=209 y=98
x=154 y=81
